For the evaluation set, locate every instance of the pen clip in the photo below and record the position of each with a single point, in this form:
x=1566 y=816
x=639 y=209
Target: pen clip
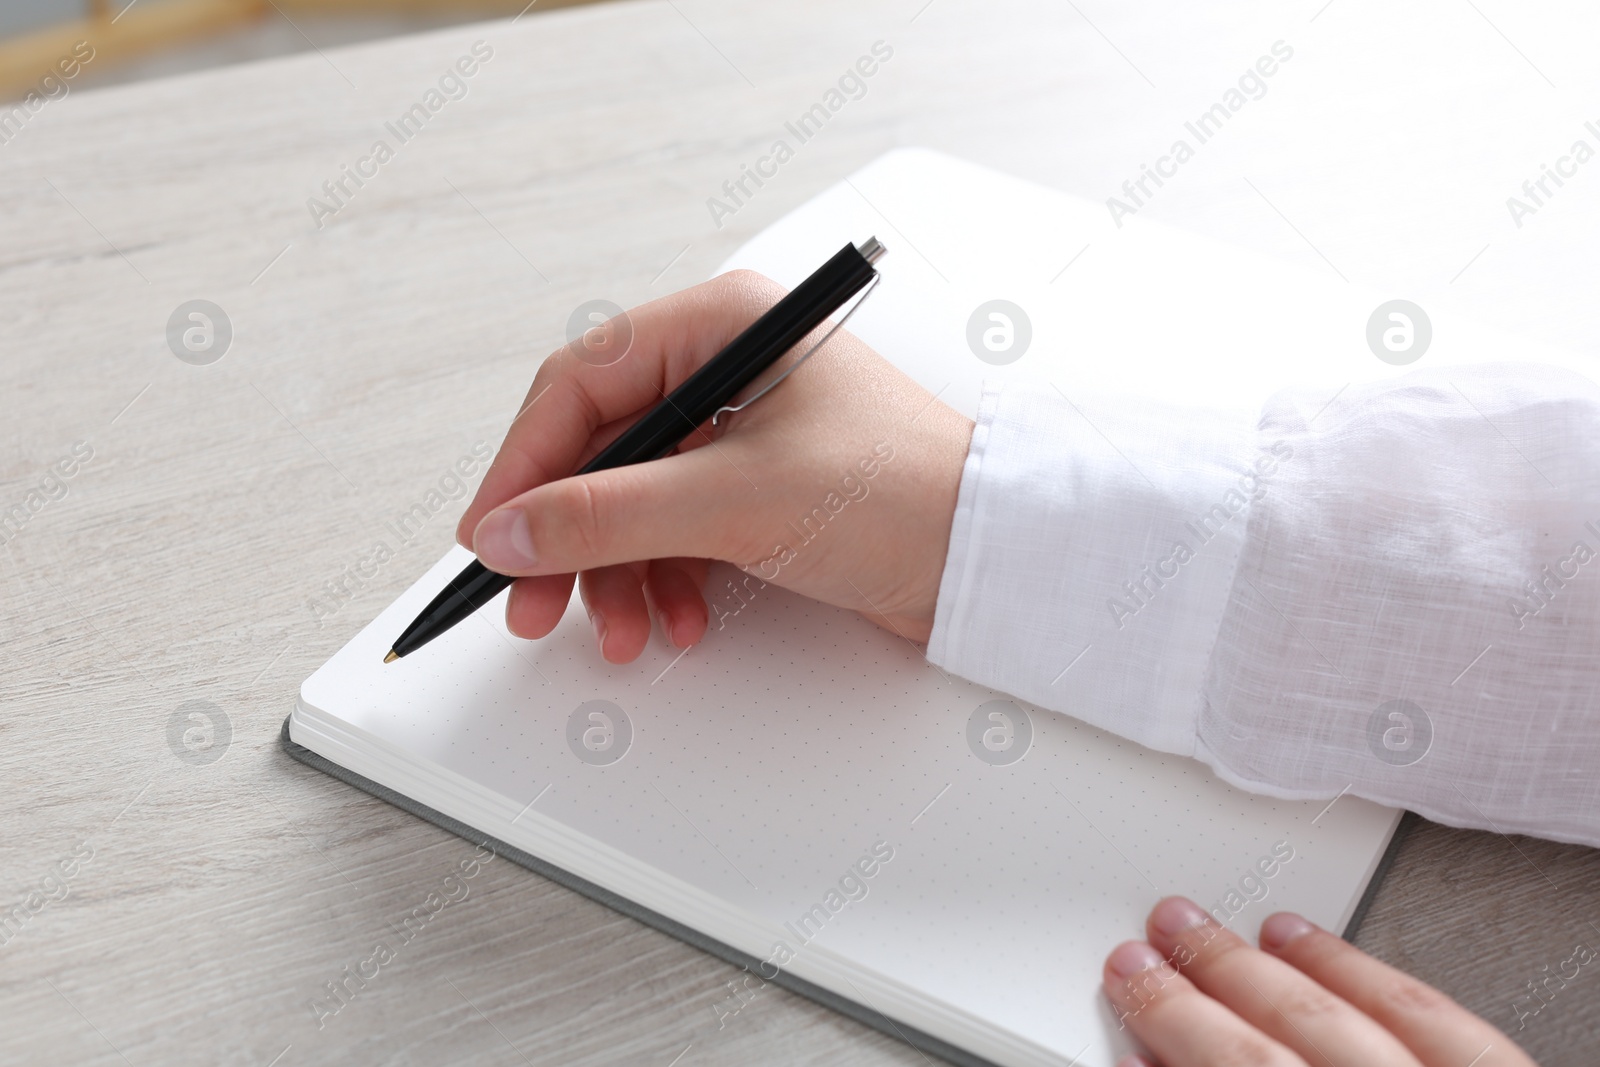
x=860 y=299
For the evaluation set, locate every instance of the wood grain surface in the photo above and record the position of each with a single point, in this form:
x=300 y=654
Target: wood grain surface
x=213 y=550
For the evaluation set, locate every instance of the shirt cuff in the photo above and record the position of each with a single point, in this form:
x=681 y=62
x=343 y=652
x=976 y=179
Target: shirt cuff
x=1095 y=542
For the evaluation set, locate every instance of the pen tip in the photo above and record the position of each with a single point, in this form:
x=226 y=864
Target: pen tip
x=391 y=657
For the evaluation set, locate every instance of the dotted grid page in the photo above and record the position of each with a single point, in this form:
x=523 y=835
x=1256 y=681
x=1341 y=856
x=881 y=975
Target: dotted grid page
x=1144 y=310
x=805 y=767
x=803 y=785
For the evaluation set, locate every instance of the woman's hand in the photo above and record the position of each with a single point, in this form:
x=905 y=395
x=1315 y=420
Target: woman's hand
x=839 y=484
x=1198 y=995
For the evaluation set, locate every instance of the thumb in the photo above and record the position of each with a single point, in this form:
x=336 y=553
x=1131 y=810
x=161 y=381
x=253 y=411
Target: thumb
x=689 y=504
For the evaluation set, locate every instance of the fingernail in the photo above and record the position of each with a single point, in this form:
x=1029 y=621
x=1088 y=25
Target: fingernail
x=1133 y=958
x=1282 y=928
x=1175 y=915
x=599 y=622
x=666 y=626
x=504 y=543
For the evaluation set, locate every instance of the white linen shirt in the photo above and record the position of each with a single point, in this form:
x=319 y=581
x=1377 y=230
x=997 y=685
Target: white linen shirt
x=1394 y=593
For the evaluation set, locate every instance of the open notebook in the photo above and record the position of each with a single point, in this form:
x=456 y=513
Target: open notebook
x=805 y=795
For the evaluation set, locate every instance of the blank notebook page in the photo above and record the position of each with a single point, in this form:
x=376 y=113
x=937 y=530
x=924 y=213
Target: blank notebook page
x=773 y=756
x=768 y=760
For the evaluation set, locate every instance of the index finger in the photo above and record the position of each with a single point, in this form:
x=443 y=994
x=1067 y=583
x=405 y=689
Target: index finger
x=554 y=432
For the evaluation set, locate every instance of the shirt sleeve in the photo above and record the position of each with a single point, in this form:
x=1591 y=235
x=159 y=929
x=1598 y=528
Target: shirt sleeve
x=1390 y=591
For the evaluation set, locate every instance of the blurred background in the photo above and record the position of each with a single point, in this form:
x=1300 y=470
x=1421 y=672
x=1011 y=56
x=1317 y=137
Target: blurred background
x=138 y=39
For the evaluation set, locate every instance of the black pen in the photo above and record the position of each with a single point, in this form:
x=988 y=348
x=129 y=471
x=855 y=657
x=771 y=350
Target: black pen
x=703 y=396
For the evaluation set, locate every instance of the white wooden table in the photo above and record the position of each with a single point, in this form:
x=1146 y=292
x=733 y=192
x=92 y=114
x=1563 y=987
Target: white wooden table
x=178 y=908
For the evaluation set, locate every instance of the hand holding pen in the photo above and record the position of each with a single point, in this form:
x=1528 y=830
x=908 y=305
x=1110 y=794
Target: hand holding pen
x=840 y=484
